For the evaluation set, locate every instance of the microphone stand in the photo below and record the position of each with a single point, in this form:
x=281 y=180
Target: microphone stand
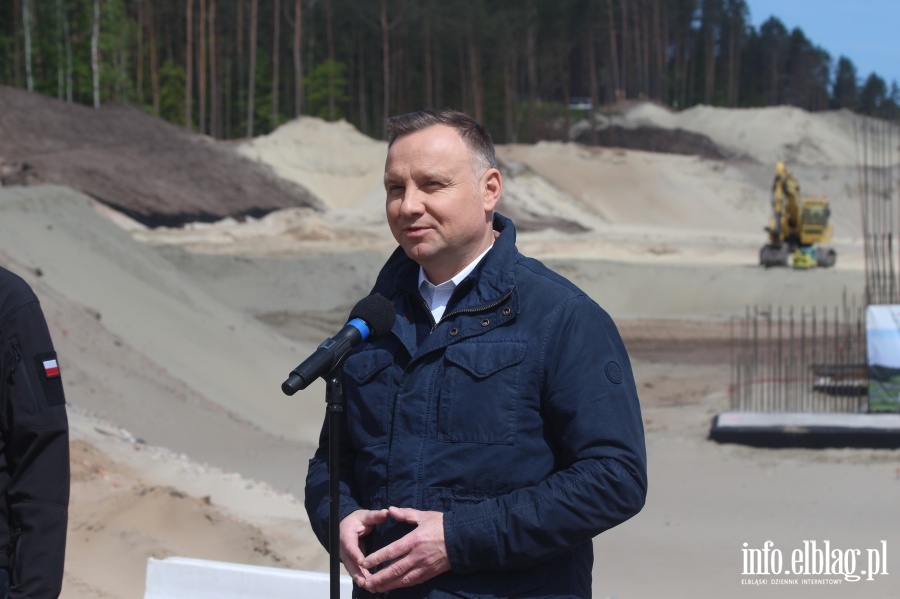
x=334 y=400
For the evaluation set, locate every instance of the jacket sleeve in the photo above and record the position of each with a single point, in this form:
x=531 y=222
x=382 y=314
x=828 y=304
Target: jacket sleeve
x=317 y=493
x=34 y=427
x=592 y=416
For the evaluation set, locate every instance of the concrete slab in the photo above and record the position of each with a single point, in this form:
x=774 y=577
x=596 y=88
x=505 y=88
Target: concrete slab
x=811 y=430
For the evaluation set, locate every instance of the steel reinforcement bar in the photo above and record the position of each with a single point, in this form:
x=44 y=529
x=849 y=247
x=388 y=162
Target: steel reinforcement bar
x=786 y=359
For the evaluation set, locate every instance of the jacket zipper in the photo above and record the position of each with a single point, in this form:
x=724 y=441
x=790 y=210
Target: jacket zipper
x=484 y=308
x=22 y=372
x=12 y=552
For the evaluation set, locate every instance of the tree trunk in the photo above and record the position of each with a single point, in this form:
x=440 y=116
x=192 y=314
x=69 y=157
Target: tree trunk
x=251 y=83
x=565 y=83
x=139 y=59
x=681 y=62
x=592 y=80
x=329 y=40
x=774 y=76
x=463 y=71
x=438 y=79
x=226 y=82
x=709 y=55
x=509 y=97
x=26 y=25
x=17 y=51
x=734 y=43
x=298 y=57
x=531 y=62
x=276 y=10
x=201 y=69
x=691 y=67
x=154 y=57
x=429 y=74
x=385 y=62
x=95 y=65
x=623 y=71
x=661 y=46
x=67 y=40
x=189 y=64
x=650 y=41
x=615 y=83
x=213 y=73
x=362 y=63
x=475 y=72
x=637 y=47
x=60 y=68
x=241 y=86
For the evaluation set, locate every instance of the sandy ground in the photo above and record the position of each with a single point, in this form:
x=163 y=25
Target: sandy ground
x=174 y=343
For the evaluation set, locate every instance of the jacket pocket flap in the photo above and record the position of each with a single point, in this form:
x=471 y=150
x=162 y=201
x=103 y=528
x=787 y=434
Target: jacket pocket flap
x=484 y=358
x=363 y=366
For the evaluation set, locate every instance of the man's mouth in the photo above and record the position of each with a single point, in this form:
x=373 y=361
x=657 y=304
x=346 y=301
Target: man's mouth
x=415 y=231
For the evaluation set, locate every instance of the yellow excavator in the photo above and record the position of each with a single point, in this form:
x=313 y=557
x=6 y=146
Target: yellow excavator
x=798 y=226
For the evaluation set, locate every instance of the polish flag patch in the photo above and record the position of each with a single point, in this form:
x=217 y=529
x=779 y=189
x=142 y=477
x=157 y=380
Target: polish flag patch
x=51 y=368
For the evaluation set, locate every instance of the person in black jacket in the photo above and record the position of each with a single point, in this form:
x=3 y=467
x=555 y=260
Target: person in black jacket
x=34 y=448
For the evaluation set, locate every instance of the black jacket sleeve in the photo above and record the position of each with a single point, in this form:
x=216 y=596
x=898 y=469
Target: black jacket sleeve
x=34 y=464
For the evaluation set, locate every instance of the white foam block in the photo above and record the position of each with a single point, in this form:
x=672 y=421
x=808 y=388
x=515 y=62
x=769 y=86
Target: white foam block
x=188 y=578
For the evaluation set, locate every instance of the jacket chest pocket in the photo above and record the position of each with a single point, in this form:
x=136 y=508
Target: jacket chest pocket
x=369 y=391
x=480 y=392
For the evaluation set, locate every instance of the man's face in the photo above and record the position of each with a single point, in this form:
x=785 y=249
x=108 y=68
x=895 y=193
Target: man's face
x=438 y=208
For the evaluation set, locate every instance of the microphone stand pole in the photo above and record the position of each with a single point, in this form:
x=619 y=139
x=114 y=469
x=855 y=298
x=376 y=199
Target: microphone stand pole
x=334 y=399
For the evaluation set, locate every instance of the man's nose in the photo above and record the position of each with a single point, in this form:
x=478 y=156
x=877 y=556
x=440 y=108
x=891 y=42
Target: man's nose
x=412 y=201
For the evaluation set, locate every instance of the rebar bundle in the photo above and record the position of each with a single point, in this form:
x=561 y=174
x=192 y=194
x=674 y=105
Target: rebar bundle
x=877 y=146
x=806 y=360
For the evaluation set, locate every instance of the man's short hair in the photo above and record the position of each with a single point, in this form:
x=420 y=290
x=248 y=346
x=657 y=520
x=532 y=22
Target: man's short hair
x=471 y=131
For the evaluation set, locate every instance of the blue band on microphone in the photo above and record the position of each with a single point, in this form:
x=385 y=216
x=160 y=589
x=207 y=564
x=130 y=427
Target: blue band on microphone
x=360 y=326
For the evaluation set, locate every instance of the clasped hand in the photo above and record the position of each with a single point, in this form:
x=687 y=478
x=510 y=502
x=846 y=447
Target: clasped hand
x=414 y=558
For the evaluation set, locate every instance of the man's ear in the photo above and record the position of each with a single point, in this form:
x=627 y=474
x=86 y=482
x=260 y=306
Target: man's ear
x=492 y=188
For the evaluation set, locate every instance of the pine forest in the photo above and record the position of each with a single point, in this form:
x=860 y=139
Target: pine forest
x=527 y=68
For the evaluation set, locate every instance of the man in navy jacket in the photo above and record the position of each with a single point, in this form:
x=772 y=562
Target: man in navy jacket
x=34 y=448
x=496 y=429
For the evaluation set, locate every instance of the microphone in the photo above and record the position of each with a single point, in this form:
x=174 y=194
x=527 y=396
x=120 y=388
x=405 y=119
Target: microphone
x=371 y=317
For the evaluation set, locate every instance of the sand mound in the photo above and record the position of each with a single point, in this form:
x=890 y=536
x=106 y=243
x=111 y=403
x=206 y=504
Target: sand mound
x=333 y=160
x=766 y=135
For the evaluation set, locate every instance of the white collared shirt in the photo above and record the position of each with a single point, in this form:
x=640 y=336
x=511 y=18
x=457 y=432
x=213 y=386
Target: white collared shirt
x=437 y=296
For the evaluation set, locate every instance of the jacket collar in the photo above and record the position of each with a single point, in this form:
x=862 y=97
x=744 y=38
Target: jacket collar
x=492 y=278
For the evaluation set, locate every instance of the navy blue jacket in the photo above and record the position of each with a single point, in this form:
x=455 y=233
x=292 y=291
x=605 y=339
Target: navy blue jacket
x=516 y=416
x=34 y=446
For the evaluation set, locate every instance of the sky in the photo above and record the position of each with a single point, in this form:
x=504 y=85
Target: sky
x=865 y=31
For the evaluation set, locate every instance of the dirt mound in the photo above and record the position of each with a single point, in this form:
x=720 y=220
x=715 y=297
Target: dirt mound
x=155 y=172
x=653 y=139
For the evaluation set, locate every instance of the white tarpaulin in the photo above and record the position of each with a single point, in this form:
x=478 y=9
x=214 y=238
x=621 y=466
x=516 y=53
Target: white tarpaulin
x=883 y=350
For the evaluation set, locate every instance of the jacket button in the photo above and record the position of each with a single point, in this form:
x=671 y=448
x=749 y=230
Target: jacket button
x=485 y=322
x=454 y=332
x=506 y=311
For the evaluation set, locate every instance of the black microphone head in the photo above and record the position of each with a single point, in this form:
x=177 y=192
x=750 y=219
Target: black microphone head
x=376 y=311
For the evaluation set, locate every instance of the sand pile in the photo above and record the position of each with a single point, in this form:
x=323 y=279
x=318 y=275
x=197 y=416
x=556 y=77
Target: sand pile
x=765 y=135
x=335 y=161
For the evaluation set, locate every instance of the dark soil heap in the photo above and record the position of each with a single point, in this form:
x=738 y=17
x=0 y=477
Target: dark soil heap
x=154 y=172
x=654 y=139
